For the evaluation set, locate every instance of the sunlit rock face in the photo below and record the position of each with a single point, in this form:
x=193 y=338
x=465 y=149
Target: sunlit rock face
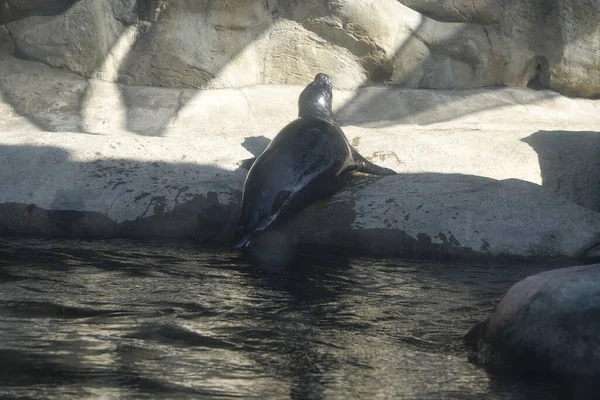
x=223 y=43
x=549 y=321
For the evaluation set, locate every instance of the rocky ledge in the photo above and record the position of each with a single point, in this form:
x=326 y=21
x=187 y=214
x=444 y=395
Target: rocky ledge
x=482 y=173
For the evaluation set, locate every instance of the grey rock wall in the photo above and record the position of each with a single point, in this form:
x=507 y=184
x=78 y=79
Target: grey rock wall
x=223 y=43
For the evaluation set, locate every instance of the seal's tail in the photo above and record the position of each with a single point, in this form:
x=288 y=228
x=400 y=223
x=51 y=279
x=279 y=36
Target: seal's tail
x=244 y=241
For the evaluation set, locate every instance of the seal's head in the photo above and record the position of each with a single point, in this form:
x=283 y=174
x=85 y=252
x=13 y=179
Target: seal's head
x=317 y=98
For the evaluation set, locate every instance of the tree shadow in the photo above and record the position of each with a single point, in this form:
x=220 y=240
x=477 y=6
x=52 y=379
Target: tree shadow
x=570 y=164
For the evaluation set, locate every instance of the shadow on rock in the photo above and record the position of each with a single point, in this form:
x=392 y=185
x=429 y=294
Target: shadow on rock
x=53 y=193
x=570 y=164
x=256 y=144
x=115 y=197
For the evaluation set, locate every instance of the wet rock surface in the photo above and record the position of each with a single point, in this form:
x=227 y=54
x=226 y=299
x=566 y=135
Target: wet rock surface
x=546 y=322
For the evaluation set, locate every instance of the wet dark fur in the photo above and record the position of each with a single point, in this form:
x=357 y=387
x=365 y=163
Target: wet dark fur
x=307 y=160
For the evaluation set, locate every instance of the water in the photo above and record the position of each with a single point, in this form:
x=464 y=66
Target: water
x=109 y=319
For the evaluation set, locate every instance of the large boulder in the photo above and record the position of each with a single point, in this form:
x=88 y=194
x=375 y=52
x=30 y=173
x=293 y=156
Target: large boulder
x=253 y=42
x=447 y=214
x=79 y=185
x=90 y=38
x=554 y=43
x=547 y=322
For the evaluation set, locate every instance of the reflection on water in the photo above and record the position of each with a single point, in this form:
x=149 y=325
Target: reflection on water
x=81 y=319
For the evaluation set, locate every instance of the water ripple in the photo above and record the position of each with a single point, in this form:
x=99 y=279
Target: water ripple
x=126 y=319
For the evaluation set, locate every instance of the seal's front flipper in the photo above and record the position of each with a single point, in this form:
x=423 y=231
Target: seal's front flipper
x=367 y=167
x=247 y=163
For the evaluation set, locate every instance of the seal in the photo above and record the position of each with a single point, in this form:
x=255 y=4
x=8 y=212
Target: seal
x=307 y=160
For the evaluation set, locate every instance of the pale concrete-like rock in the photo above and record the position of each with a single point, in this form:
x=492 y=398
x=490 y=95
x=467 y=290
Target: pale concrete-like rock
x=207 y=44
x=548 y=321
x=441 y=55
x=576 y=70
x=91 y=158
x=294 y=53
x=94 y=185
x=149 y=187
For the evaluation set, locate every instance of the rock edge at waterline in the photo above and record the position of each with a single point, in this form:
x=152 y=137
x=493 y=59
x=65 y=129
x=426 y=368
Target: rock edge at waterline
x=484 y=172
x=76 y=185
x=546 y=322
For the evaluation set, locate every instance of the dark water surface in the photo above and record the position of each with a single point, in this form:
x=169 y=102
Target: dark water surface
x=110 y=319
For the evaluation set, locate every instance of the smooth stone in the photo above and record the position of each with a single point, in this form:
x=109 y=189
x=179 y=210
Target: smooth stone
x=546 y=322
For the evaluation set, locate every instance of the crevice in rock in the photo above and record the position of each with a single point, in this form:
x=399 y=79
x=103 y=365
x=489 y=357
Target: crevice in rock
x=144 y=10
x=371 y=56
x=591 y=252
x=539 y=78
x=9 y=46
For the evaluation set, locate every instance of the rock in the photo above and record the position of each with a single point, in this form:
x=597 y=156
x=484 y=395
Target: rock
x=485 y=12
x=444 y=215
x=87 y=38
x=254 y=42
x=294 y=47
x=90 y=158
x=447 y=56
x=11 y=10
x=207 y=45
x=370 y=31
x=225 y=44
x=80 y=185
x=560 y=37
x=569 y=164
x=575 y=71
x=492 y=133
x=77 y=185
x=476 y=132
x=547 y=322
x=6 y=41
